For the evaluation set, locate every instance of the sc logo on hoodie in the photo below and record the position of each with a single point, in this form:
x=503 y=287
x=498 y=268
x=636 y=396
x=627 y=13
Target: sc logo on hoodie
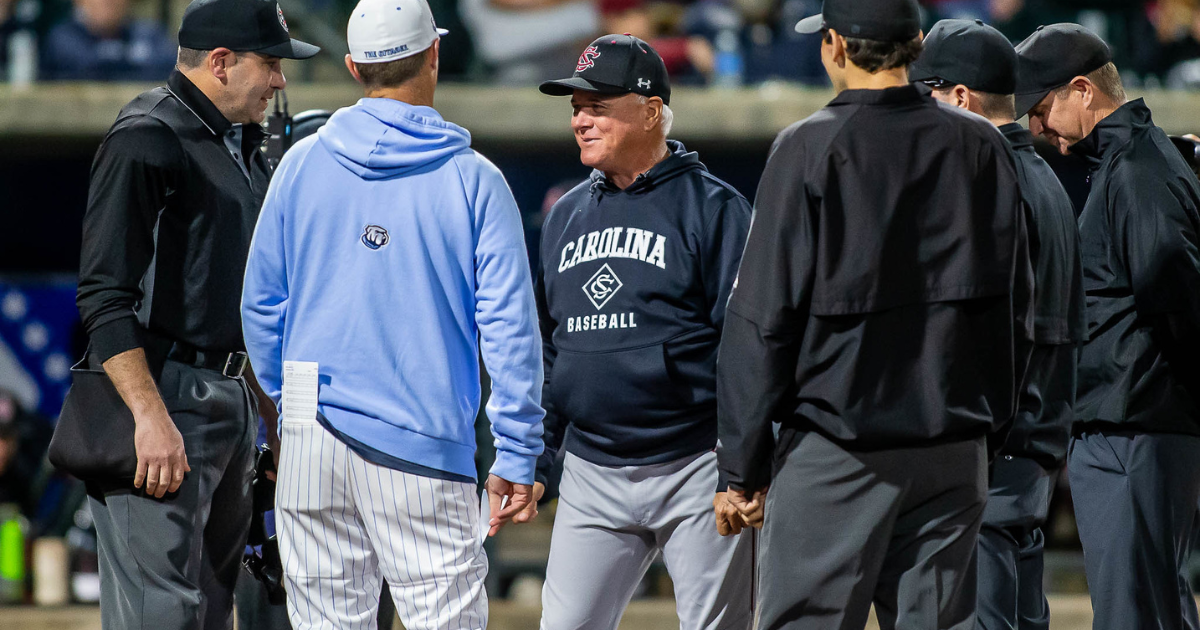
x=374 y=237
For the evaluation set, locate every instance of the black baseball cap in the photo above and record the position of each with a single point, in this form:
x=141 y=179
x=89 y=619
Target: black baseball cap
x=970 y=53
x=1051 y=57
x=616 y=64
x=877 y=20
x=241 y=26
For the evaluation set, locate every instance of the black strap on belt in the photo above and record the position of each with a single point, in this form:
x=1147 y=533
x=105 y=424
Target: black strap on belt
x=229 y=364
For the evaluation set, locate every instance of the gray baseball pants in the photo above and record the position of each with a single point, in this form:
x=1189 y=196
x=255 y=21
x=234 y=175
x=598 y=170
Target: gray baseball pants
x=895 y=527
x=1135 y=504
x=612 y=522
x=172 y=563
x=1011 y=595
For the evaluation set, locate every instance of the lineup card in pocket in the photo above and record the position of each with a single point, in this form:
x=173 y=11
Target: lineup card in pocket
x=300 y=380
x=485 y=514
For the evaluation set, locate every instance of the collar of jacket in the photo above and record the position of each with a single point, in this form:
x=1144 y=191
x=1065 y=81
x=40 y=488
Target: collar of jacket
x=1018 y=137
x=209 y=115
x=1114 y=132
x=888 y=96
x=678 y=160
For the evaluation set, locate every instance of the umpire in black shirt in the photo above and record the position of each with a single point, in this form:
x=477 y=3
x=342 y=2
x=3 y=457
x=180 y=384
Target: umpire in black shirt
x=876 y=318
x=973 y=66
x=175 y=192
x=1134 y=460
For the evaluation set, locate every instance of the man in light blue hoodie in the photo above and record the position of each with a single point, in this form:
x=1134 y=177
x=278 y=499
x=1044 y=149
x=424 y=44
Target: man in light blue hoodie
x=388 y=255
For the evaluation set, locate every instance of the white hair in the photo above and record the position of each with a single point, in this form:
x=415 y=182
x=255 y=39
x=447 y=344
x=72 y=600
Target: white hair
x=665 y=121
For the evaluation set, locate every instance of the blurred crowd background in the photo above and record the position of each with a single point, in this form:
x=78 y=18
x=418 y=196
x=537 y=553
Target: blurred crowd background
x=521 y=42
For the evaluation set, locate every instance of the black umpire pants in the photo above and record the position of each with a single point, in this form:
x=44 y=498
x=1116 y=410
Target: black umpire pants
x=897 y=528
x=1135 y=500
x=1011 y=596
x=172 y=563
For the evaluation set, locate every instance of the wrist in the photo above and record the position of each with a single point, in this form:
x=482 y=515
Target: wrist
x=150 y=412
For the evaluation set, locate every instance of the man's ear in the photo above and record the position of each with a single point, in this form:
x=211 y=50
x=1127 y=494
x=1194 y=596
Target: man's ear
x=962 y=96
x=1085 y=88
x=435 y=56
x=654 y=112
x=352 y=69
x=839 y=48
x=219 y=61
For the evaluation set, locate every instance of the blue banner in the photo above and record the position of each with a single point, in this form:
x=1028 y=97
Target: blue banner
x=38 y=323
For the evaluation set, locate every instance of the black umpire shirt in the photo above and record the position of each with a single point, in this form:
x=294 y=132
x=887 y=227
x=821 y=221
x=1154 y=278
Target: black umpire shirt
x=171 y=210
x=1045 y=409
x=884 y=286
x=1139 y=236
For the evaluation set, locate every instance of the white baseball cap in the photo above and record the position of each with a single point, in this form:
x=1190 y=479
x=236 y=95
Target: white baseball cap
x=387 y=30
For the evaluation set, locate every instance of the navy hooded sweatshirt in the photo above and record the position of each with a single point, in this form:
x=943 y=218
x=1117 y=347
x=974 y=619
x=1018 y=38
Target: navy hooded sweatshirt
x=631 y=297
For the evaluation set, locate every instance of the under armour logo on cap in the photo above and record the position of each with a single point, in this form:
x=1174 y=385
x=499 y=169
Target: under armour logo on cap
x=616 y=64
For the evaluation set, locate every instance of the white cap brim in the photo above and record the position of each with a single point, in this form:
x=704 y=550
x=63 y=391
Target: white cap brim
x=810 y=24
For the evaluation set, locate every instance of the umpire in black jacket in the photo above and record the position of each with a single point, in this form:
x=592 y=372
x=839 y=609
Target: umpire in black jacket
x=1134 y=460
x=877 y=317
x=973 y=66
x=175 y=193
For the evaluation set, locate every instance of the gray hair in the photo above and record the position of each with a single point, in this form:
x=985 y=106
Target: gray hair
x=666 y=121
x=189 y=58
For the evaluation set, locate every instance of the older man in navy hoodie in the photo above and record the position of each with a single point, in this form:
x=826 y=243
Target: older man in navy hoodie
x=388 y=256
x=637 y=264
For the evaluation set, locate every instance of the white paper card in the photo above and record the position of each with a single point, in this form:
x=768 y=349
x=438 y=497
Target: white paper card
x=485 y=514
x=300 y=381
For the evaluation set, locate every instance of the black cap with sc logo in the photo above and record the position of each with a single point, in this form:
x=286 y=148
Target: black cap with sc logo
x=616 y=64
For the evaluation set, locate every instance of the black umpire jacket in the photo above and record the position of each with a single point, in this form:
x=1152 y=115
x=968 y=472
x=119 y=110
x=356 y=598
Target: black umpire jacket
x=886 y=286
x=1045 y=408
x=1140 y=234
x=168 y=225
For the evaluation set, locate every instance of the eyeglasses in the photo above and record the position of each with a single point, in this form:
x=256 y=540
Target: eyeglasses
x=938 y=84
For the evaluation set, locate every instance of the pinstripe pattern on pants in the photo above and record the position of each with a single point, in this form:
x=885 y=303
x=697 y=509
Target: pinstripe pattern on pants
x=345 y=523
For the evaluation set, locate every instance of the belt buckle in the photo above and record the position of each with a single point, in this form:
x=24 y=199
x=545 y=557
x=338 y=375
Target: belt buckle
x=235 y=364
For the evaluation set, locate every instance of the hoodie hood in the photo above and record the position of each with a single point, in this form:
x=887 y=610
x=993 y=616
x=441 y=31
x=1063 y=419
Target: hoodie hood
x=380 y=138
x=678 y=161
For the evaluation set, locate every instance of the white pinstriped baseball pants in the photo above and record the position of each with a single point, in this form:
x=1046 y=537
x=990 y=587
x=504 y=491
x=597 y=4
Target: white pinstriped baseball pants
x=344 y=523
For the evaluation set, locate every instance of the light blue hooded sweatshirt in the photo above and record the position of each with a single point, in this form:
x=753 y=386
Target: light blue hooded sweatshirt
x=392 y=254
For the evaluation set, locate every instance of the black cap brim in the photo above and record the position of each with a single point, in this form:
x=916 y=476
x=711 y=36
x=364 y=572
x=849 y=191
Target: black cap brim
x=567 y=87
x=918 y=72
x=1028 y=101
x=291 y=49
x=810 y=24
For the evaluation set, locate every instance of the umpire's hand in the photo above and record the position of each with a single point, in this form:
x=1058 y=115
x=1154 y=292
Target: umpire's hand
x=161 y=460
x=518 y=496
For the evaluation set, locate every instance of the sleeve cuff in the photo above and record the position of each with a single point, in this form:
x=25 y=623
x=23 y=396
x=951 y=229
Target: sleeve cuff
x=514 y=468
x=115 y=337
x=722 y=481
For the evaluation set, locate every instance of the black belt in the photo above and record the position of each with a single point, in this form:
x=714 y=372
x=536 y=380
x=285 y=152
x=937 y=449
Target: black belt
x=229 y=364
